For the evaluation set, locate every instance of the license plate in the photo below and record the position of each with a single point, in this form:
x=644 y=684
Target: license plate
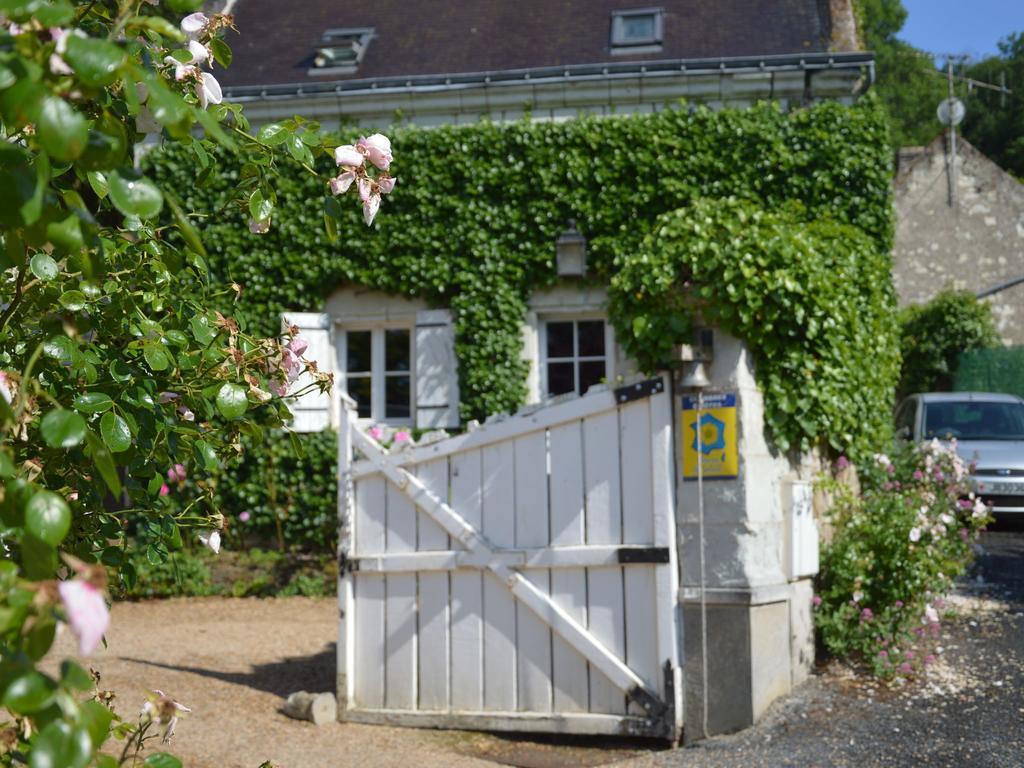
x=1000 y=488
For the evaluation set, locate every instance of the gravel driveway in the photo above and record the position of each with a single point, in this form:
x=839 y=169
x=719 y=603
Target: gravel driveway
x=233 y=660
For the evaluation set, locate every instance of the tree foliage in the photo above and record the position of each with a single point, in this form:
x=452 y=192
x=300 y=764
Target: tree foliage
x=994 y=122
x=935 y=334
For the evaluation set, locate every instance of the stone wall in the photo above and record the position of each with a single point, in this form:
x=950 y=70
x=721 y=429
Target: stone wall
x=975 y=245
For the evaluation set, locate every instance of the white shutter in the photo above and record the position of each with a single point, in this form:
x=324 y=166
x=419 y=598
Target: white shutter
x=437 y=375
x=312 y=411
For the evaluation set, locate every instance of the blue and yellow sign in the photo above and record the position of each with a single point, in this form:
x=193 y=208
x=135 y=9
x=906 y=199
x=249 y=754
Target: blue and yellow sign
x=719 y=456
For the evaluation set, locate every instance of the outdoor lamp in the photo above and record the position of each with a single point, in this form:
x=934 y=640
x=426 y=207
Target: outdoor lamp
x=571 y=252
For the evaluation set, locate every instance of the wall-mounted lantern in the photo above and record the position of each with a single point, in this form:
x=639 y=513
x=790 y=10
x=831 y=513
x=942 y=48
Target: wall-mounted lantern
x=571 y=252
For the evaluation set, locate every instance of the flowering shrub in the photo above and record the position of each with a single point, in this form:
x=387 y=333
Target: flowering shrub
x=120 y=382
x=895 y=551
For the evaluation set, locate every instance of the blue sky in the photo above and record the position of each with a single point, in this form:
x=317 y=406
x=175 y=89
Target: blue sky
x=961 y=26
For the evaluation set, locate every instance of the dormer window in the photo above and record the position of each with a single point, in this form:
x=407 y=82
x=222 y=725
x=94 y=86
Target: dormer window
x=341 y=51
x=637 y=30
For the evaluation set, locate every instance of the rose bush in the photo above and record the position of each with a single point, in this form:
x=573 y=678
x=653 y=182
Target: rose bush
x=896 y=548
x=119 y=380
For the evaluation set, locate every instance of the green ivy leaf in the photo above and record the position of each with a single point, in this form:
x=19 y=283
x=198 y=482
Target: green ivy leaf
x=92 y=402
x=115 y=431
x=47 y=517
x=231 y=401
x=134 y=194
x=62 y=129
x=62 y=429
x=44 y=267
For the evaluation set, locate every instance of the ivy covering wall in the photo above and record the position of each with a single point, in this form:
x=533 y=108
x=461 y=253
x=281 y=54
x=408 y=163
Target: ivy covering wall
x=799 y=268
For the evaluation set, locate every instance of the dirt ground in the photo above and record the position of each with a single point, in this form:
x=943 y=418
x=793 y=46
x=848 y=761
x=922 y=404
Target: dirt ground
x=234 y=660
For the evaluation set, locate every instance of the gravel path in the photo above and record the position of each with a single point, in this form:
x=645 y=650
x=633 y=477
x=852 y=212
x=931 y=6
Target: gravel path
x=233 y=660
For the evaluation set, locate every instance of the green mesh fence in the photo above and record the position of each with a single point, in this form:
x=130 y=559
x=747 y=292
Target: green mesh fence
x=1000 y=369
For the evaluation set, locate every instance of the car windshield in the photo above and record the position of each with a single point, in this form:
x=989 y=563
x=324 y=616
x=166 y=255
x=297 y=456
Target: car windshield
x=968 y=420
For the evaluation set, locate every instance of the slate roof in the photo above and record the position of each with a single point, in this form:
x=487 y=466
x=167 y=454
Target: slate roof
x=437 y=37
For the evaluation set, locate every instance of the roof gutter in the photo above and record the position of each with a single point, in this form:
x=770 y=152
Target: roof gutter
x=554 y=75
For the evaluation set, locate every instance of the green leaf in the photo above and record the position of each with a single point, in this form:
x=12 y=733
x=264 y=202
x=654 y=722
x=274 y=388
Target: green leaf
x=119 y=371
x=94 y=717
x=205 y=455
x=104 y=462
x=60 y=745
x=203 y=329
x=260 y=207
x=73 y=676
x=157 y=357
x=221 y=52
x=162 y=760
x=98 y=182
x=134 y=194
x=157 y=24
x=39 y=638
x=38 y=558
x=29 y=693
x=272 y=134
x=62 y=429
x=115 y=431
x=92 y=402
x=47 y=517
x=73 y=300
x=231 y=401
x=95 y=62
x=188 y=232
x=62 y=130
x=66 y=234
x=43 y=266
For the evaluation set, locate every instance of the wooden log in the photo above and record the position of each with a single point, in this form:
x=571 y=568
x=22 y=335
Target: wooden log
x=317 y=708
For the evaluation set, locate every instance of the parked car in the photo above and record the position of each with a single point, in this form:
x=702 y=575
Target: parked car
x=989 y=430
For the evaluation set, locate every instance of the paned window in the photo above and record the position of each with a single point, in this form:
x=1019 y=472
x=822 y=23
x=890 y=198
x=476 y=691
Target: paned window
x=640 y=27
x=575 y=355
x=378 y=373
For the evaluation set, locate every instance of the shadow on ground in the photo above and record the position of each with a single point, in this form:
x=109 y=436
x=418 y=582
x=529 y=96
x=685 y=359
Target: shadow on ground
x=315 y=673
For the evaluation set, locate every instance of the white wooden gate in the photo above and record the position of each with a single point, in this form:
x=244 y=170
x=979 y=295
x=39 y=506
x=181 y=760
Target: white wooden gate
x=521 y=576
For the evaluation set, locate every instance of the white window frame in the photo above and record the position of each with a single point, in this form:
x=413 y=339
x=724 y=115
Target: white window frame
x=619 y=42
x=378 y=375
x=573 y=317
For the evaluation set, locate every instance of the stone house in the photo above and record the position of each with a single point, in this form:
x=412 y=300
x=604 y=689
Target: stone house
x=974 y=241
x=427 y=63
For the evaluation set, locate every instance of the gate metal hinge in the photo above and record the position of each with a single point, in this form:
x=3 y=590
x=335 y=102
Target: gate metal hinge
x=346 y=564
x=659 y=715
x=639 y=390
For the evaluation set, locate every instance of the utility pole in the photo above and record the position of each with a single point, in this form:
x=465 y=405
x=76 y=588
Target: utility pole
x=951 y=154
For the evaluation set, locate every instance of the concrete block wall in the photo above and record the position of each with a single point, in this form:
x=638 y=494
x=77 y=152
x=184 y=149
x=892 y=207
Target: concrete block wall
x=760 y=640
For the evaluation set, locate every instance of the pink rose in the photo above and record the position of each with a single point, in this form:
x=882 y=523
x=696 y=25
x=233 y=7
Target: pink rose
x=375 y=432
x=260 y=227
x=194 y=24
x=164 y=489
x=348 y=156
x=370 y=208
x=86 y=612
x=378 y=149
x=341 y=183
x=177 y=473
x=386 y=184
x=298 y=345
x=244 y=516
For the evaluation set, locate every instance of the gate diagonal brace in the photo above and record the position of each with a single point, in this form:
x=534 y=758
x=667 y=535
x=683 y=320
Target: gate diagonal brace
x=575 y=634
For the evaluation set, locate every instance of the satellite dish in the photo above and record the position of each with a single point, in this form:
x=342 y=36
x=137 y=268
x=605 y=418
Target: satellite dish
x=951 y=112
